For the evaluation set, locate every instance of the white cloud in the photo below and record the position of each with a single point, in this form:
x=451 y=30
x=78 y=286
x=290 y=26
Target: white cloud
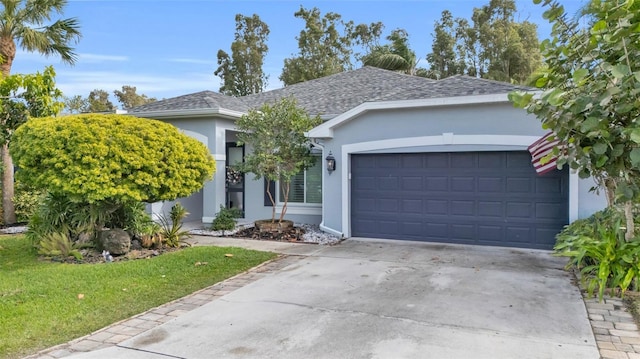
x=191 y=61
x=22 y=55
x=97 y=58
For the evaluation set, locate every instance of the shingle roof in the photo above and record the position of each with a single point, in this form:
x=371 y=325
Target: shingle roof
x=336 y=94
x=196 y=101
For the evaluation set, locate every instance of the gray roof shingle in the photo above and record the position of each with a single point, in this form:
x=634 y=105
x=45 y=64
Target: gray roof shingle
x=336 y=94
x=196 y=101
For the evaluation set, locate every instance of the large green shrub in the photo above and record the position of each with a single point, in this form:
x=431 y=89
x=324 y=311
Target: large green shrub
x=26 y=201
x=597 y=247
x=95 y=157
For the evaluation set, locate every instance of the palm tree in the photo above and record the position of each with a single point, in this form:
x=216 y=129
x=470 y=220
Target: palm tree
x=28 y=24
x=396 y=56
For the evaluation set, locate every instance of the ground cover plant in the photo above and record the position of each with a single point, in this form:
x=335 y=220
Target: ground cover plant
x=43 y=303
x=597 y=247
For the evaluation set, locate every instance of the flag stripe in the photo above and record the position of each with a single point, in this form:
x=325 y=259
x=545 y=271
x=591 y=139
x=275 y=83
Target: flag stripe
x=541 y=148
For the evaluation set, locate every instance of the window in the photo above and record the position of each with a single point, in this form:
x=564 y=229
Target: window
x=306 y=186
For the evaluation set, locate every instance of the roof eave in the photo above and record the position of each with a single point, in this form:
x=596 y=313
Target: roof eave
x=325 y=130
x=190 y=113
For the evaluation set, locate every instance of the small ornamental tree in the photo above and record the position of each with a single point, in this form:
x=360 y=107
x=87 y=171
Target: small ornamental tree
x=280 y=150
x=109 y=161
x=590 y=95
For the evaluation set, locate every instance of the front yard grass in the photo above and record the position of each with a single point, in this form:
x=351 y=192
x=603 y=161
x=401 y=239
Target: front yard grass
x=44 y=303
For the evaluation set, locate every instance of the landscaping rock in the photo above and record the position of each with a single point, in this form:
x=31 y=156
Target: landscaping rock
x=116 y=241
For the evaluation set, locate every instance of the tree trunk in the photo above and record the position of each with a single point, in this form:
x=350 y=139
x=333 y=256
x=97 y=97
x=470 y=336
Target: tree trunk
x=7 y=54
x=628 y=214
x=8 y=209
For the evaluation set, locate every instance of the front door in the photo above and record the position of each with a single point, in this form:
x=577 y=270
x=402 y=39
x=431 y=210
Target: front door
x=234 y=178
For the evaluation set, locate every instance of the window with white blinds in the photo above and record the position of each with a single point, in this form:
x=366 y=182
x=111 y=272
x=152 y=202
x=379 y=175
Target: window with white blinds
x=306 y=186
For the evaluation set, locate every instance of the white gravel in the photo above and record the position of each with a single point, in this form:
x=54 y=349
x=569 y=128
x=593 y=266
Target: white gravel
x=313 y=234
x=13 y=230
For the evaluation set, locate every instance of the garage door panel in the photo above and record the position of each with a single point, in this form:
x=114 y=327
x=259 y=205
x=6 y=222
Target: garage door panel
x=411 y=183
x=388 y=183
x=497 y=199
x=387 y=206
x=490 y=209
x=434 y=206
x=550 y=211
x=463 y=208
x=519 y=185
x=491 y=161
x=437 y=183
x=437 y=160
x=490 y=233
x=413 y=229
x=519 y=210
x=463 y=231
x=490 y=184
x=518 y=160
x=464 y=184
x=437 y=230
x=549 y=185
x=463 y=160
x=519 y=234
x=412 y=161
x=411 y=206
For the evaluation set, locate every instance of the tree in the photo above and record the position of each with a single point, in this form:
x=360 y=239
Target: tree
x=26 y=24
x=443 y=60
x=367 y=37
x=21 y=97
x=589 y=98
x=242 y=73
x=129 y=98
x=76 y=104
x=395 y=56
x=510 y=50
x=494 y=46
x=99 y=102
x=94 y=158
x=323 y=48
x=280 y=149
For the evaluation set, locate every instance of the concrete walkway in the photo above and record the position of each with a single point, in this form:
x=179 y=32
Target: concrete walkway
x=364 y=299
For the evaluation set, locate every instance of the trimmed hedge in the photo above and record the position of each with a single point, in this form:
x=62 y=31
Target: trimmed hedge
x=98 y=157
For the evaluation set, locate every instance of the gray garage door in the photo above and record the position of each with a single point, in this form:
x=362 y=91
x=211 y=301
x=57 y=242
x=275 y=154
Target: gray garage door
x=486 y=198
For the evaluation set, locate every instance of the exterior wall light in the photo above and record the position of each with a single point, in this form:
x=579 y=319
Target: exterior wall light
x=331 y=163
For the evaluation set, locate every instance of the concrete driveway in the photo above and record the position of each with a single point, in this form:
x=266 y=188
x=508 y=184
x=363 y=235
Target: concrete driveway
x=365 y=299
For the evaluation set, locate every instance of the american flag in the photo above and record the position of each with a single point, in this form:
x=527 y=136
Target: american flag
x=541 y=148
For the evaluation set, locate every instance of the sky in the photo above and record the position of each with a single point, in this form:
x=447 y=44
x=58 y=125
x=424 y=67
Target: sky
x=167 y=48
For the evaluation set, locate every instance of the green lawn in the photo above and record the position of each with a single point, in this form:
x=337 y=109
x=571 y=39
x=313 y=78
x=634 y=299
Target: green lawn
x=39 y=300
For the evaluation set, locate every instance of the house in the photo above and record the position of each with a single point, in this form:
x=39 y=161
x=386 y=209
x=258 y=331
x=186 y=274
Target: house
x=416 y=159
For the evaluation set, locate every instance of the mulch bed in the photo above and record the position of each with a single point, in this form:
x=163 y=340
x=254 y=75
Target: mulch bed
x=290 y=235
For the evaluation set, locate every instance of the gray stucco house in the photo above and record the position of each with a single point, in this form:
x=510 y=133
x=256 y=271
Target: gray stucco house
x=416 y=159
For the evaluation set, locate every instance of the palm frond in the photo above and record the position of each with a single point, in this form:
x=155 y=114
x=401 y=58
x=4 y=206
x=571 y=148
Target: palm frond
x=51 y=40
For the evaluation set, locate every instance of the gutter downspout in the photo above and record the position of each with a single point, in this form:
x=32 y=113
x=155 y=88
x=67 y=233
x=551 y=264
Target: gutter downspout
x=324 y=228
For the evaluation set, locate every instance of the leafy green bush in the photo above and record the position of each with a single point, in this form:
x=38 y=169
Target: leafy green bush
x=120 y=159
x=26 y=201
x=226 y=219
x=597 y=247
x=59 y=214
x=58 y=245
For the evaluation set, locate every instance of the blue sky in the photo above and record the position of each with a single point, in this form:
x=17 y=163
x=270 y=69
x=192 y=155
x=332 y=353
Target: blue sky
x=168 y=48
